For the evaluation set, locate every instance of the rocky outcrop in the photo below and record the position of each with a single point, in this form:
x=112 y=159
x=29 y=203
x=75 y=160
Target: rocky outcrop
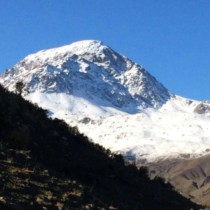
x=202 y=108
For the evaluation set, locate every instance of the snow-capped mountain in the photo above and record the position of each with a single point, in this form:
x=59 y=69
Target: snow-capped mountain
x=90 y=68
x=113 y=100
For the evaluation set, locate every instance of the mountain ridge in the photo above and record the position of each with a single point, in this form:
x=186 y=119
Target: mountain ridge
x=91 y=86
x=90 y=59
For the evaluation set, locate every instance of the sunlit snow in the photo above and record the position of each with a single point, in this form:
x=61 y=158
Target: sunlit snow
x=114 y=101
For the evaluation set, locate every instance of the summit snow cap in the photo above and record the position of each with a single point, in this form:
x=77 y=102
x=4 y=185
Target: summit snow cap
x=92 y=69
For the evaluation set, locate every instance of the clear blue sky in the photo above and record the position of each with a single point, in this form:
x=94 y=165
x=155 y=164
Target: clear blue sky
x=170 y=38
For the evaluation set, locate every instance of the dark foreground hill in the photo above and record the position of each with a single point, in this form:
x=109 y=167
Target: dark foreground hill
x=44 y=164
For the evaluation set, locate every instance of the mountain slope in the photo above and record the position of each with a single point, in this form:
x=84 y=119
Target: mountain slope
x=90 y=86
x=191 y=177
x=88 y=68
x=44 y=164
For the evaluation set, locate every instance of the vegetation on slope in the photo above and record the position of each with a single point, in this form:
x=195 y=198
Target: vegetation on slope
x=45 y=164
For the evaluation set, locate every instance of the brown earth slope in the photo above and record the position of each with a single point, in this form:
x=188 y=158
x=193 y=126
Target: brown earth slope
x=190 y=177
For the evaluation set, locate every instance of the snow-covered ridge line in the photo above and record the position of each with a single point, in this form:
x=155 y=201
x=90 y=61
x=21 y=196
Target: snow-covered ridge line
x=91 y=67
x=113 y=100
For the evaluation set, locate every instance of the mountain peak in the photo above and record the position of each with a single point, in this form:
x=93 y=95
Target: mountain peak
x=113 y=100
x=92 y=70
x=88 y=45
x=78 y=48
x=81 y=47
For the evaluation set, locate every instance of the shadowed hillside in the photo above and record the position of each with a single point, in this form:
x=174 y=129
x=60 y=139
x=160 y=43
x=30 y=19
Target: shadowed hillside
x=44 y=164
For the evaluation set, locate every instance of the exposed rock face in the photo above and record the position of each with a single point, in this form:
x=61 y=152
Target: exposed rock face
x=202 y=108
